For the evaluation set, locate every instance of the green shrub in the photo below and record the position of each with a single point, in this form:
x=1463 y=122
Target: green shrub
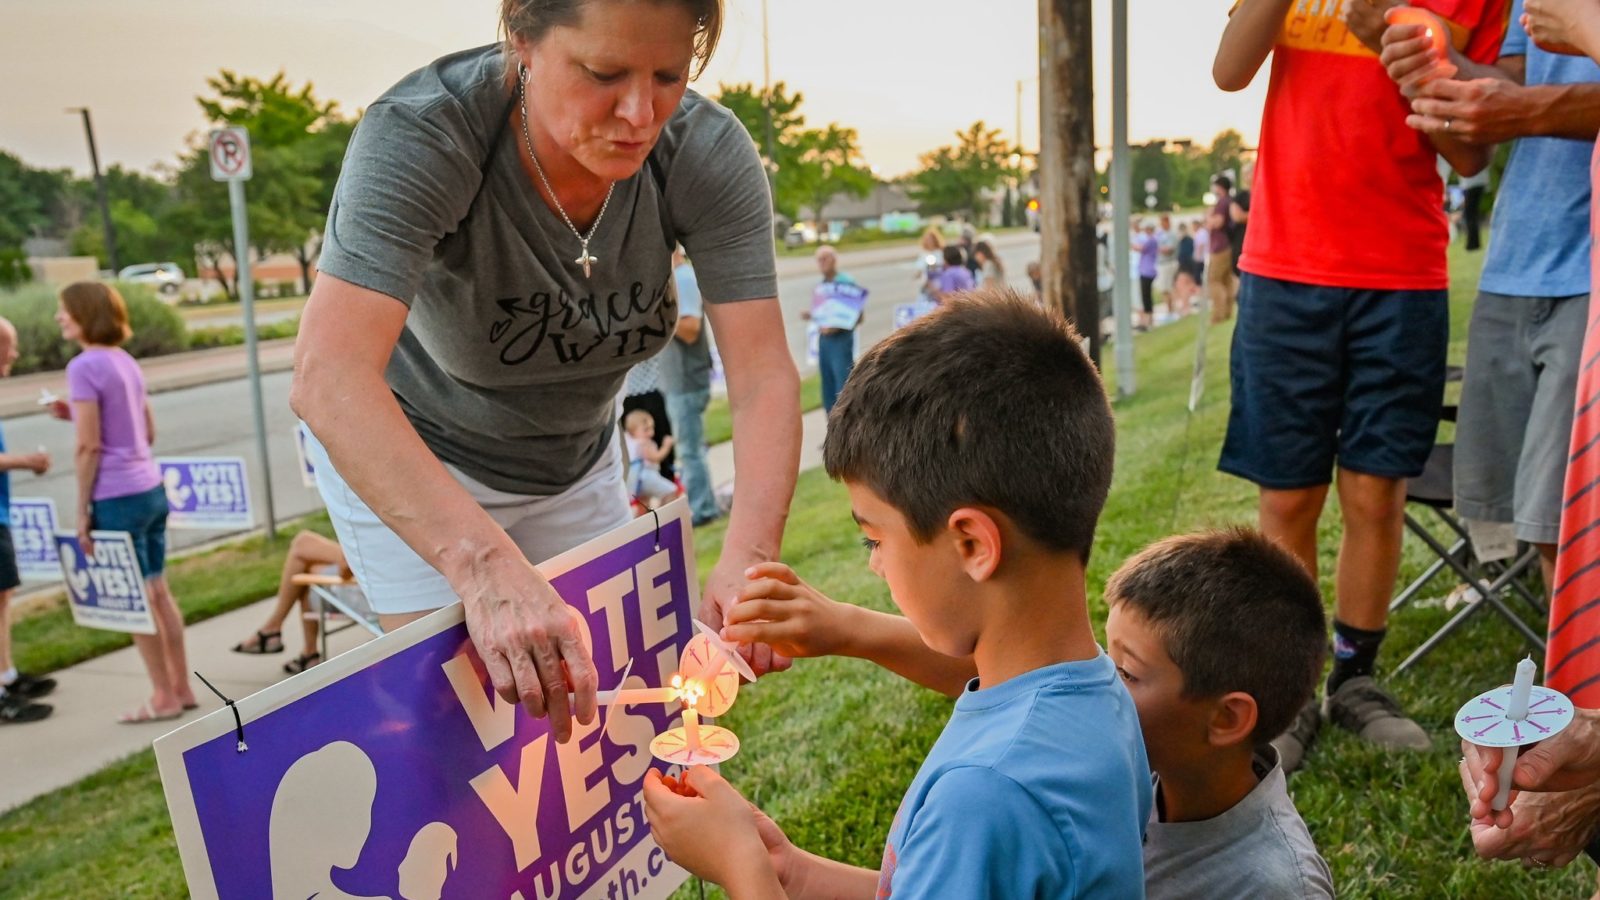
x=157 y=327
x=231 y=335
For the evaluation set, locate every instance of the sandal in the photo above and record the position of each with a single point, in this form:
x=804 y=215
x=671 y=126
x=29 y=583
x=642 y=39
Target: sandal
x=301 y=663
x=263 y=642
x=145 y=714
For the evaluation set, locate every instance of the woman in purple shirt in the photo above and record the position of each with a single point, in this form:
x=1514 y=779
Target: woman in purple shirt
x=119 y=486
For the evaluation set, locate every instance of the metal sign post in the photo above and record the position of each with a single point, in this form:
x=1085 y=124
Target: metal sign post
x=230 y=162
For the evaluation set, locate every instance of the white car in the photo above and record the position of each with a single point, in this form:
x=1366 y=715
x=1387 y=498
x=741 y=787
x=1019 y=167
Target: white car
x=165 y=277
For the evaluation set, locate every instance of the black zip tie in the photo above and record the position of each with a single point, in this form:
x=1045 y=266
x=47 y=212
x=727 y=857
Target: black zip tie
x=657 y=517
x=238 y=724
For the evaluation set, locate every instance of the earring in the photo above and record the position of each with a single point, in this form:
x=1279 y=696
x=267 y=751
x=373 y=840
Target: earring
x=522 y=73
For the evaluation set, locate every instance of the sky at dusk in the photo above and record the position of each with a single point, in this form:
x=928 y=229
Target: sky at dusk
x=906 y=75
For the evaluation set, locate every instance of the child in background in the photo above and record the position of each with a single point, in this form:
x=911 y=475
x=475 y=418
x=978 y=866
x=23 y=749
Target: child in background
x=976 y=444
x=645 y=481
x=1219 y=638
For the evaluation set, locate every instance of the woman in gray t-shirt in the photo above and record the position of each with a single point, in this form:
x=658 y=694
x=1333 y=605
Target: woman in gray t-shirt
x=497 y=256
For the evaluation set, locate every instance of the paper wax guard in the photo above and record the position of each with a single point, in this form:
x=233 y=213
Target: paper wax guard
x=717 y=745
x=46 y=398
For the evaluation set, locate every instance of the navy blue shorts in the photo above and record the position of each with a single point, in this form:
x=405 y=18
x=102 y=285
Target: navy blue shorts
x=1325 y=375
x=144 y=517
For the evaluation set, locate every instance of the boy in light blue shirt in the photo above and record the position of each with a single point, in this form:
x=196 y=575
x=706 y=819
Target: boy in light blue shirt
x=976 y=444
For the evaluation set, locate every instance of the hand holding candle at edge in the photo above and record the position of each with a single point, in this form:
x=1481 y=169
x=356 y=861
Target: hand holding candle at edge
x=1416 y=48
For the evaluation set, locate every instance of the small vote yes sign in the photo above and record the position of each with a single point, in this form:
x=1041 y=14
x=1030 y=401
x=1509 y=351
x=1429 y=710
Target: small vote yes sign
x=206 y=492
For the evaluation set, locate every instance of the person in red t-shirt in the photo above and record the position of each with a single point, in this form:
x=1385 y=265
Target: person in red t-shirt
x=1339 y=354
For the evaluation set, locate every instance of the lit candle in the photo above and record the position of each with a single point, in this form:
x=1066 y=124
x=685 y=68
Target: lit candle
x=1517 y=711
x=691 y=729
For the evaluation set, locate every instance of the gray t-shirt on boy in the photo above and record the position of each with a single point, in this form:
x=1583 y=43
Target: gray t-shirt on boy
x=1259 y=848
x=510 y=359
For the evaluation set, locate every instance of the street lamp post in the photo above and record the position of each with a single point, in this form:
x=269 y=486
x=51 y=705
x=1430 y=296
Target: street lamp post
x=99 y=189
x=766 y=103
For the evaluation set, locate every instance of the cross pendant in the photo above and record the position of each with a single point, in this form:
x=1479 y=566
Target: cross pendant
x=585 y=259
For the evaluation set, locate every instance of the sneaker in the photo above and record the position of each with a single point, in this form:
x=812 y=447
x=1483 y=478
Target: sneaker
x=1359 y=705
x=1293 y=744
x=30 y=687
x=15 y=709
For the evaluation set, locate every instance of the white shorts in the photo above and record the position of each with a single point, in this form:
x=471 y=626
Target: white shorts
x=396 y=580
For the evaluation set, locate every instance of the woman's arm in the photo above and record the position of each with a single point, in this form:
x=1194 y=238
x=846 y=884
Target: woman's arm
x=523 y=630
x=149 y=423
x=86 y=458
x=1251 y=34
x=764 y=396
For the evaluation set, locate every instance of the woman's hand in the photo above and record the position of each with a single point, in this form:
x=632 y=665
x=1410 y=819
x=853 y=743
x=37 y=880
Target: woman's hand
x=1544 y=830
x=84 y=541
x=531 y=642
x=1558 y=26
x=1566 y=762
x=59 y=409
x=1408 y=55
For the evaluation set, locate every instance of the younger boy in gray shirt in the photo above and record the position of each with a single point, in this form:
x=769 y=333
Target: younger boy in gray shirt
x=1219 y=638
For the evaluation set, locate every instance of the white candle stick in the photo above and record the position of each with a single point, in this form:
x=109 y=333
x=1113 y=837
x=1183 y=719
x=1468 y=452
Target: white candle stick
x=1517 y=711
x=631 y=696
x=691 y=730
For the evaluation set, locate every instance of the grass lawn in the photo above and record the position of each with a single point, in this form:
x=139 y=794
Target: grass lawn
x=719 y=419
x=1390 y=826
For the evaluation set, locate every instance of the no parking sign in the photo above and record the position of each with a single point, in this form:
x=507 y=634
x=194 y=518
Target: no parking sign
x=230 y=154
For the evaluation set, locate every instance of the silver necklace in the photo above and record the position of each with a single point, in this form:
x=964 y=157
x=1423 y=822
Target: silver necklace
x=584 y=258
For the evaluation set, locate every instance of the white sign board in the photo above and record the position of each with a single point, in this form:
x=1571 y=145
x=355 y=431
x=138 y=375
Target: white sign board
x=230 y=154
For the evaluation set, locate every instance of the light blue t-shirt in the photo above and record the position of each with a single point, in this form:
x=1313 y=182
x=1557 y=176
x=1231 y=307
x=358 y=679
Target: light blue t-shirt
x=5 y=489
x=1038 y=787
x=1539 y=238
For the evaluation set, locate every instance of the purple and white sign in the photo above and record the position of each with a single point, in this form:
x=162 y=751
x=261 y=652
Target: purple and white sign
x=394 y=770
x=905 y=313
x=838 y=304
x=308 y=474
x=107 y=590
x=33 y=535
x=206 y=492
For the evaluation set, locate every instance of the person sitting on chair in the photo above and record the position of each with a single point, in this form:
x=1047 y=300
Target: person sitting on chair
x=308 y=552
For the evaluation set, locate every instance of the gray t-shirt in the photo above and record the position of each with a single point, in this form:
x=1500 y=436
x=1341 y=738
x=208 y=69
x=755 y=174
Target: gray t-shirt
x=510 y=360
x=1259 y=848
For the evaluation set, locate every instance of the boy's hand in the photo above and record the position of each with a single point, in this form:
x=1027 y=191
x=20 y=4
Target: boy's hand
x=39 y=462
x=1409 y=56
x=1364 y=18
x=704 y=825
x=779 y=609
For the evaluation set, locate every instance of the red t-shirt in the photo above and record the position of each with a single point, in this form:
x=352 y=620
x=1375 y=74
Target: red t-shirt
x=1345 y=194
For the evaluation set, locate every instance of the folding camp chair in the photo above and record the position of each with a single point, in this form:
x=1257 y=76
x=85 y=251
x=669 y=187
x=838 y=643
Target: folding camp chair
x=1490 y=582
x=344 y=596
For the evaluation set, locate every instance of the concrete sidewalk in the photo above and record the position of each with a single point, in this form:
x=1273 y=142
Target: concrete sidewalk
x=82 y=736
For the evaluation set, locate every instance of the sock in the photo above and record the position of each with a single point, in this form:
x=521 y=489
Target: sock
x=8 y=677
x=1354 y=652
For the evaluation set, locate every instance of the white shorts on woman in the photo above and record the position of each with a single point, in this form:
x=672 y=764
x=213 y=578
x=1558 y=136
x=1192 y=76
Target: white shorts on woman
x=397 y=581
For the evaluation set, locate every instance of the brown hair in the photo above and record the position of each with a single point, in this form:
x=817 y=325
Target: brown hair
x=990 y=401
x=1236 y=612
x=99 y=311
x=531 y=20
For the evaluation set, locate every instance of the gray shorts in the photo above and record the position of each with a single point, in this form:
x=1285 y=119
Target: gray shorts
x=1515 y=423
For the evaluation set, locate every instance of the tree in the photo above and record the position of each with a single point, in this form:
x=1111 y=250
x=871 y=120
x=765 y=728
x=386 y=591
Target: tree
x=296 y=142
x=953 y=178
x=1227 y=152
x=830 y=164
x=138 y=204
x=30 y=199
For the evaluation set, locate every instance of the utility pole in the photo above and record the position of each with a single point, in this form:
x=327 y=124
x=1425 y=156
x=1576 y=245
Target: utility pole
x=1066 y=166
x=100 y=189
x=766 y=104
x=1121 y=199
